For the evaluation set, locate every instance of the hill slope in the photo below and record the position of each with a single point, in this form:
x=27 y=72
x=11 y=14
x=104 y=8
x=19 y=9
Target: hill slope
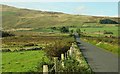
x=25 y=18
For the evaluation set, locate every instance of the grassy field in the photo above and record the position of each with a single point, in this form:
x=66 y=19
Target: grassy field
x=27 y=61
x=95 y=31
x=23 y=39
x=24 y=61
x=98 y=31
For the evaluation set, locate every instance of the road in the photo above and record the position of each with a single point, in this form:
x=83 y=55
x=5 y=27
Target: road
x=99 y=59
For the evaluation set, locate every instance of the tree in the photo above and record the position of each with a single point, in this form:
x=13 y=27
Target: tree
x=54 y=28
x=71 y=31
x=78 y=31
x=64 y=29
x=108 y=21
x=5 y=34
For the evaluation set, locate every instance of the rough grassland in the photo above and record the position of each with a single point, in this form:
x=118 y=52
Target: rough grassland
x=25 y=18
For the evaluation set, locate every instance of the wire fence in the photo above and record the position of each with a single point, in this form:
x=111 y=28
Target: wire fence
x=60 y=65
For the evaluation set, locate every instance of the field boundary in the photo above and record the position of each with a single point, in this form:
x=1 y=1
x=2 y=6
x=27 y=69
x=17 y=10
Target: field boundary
x=73 y=52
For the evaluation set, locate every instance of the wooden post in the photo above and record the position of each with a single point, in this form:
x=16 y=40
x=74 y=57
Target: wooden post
x=56 y=63
x=45 y=69
x=72 y=44
x=62 y=60
x=71 y=48
x=63 y=64
x=70 y=52
x=62 y=57
x=67 y=53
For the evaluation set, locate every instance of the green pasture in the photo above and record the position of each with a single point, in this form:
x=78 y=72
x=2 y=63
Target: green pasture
x=93 y=30
x=24 y=61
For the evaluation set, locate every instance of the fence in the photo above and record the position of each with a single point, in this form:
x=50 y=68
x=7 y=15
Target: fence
x=64 y=56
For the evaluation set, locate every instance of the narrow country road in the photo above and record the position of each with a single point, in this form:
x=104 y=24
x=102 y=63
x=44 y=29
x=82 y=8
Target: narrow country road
x=98 y=59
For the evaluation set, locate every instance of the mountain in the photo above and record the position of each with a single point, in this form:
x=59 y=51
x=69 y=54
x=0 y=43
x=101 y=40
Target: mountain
x=14 y=18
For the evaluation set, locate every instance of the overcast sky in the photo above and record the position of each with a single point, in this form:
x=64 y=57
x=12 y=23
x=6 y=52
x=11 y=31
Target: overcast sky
x=84 y=8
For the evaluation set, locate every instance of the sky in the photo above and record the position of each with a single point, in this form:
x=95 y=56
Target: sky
x=82 y=8
x=59 y=0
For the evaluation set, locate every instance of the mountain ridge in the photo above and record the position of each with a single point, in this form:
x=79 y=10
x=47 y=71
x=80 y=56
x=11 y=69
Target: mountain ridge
x=26 y=18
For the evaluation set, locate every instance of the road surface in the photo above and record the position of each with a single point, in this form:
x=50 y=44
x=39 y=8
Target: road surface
x=99 y=59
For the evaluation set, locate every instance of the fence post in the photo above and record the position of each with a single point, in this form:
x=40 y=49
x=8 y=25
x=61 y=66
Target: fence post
x=45 y=69
x=67 y=53
x=71 y=48
x=56 y=63
x=62 y=59
x=63 y=64
x=70 y=52
x=72 y=44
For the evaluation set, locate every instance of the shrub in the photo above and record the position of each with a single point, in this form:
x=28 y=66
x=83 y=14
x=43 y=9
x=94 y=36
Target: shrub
x=6 y=50
x=59 y=47
x=53 y=28
x=108 y=32
x=6 y=34
x=108 y=21
x=64 y=30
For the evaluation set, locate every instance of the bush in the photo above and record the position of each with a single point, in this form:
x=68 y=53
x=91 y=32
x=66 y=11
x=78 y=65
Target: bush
x=53 y=28
x=108 y=21
x=64 y=30
x=59 y=47
x=6 y=50
x=6 y=34
x=108 y=32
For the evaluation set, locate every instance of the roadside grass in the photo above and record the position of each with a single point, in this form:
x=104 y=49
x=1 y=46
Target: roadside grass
x=114 y=48
x=76 y=63
x=24 y=61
